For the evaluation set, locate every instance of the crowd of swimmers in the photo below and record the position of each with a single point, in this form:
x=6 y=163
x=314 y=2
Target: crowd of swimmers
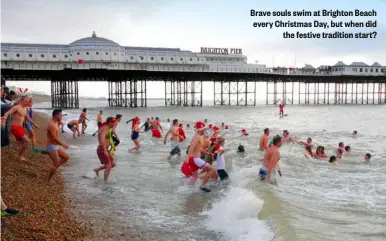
x=206 y=146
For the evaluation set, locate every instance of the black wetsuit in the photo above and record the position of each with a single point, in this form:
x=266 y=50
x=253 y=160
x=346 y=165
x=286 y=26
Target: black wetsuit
x=147 y=126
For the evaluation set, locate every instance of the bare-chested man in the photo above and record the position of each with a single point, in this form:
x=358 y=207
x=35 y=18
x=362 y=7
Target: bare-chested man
x=74 y=127
x=82 y=120
x=57 y=154
x=264 y=140
x=19 y=115
x=286 y=138
x=106 y=159
x=271 y=159
x=156 y=124
x=194 y=158
x=175 y=139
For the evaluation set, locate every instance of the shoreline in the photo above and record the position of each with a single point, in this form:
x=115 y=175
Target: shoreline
x=25 y=187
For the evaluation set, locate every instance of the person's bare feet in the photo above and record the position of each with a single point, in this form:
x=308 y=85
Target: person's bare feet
x=52 y=173
x=22 y=159
x=96 y=172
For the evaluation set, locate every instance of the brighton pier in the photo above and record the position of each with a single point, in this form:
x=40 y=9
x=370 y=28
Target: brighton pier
x=128 y=70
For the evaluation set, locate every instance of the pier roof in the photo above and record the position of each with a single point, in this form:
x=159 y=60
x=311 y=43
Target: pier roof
x=95 y=42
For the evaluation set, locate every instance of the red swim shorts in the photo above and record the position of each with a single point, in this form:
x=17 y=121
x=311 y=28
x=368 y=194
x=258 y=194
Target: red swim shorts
x=156 y=133
x=196 y=163
x=104 y=155
x=18 y=132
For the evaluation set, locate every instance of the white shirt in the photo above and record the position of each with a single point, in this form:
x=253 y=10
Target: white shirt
x=220 y=160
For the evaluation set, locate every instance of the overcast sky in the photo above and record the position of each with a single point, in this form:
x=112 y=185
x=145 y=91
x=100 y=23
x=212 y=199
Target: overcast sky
x=191 y=24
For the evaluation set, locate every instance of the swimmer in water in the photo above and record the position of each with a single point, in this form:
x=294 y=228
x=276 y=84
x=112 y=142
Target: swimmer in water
x=187 y=126
x=354 y=133
x=175 y=140
x=308 y=152
x=271 y=160
x=286 y=138
x=222 y=125
x=264 y=140
x=367 y=157
x=340 y=147
x=347 y=150
x=194 y=158
x=333 y=161
x=339 y=153
x=320 y=153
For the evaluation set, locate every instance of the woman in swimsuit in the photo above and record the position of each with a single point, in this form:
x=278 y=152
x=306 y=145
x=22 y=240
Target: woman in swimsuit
x=135 y=134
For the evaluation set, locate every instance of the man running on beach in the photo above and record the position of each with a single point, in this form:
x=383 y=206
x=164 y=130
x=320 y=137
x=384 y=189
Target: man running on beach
x=194 y=158
x=175 y=139
x=156 y=124
x=271 y=159
x=56 y=153
x=28 y=126
x=99 y=121
x=19 y=115
x=104 y=156
x=82 y=119
x=264 y=140
x=74 y=127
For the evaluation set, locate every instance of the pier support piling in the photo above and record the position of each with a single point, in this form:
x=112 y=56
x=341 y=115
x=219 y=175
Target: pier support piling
x=183 y=92
x=129 y=92
x=238 y=92
x=280 y=92
x=64 y=94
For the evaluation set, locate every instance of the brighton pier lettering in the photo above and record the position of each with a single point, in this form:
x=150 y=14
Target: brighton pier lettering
x=224 y=51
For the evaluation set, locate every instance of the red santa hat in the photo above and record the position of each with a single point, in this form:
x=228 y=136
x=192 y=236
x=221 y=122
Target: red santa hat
x=226 y=127
x=210 y=126
x=199 y=126
x=180 y=125
x=215 y=129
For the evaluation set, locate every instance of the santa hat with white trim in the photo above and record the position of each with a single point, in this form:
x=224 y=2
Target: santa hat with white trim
x=199 y=126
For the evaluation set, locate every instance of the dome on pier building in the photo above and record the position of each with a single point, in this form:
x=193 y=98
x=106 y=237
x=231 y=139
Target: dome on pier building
x=94 y=41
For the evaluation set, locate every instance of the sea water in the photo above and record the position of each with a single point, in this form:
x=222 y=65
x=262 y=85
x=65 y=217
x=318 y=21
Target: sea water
x=311 y=201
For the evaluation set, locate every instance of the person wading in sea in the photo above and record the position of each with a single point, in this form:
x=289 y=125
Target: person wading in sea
x=82 y=119
x=156 y=127
x=74 y=127
x=99 y=121
x=271 y=159
x=106 y=159
x=56 y=153
x=19 y=115
x=264 y=140
x=194 y=158
x=175 y=139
